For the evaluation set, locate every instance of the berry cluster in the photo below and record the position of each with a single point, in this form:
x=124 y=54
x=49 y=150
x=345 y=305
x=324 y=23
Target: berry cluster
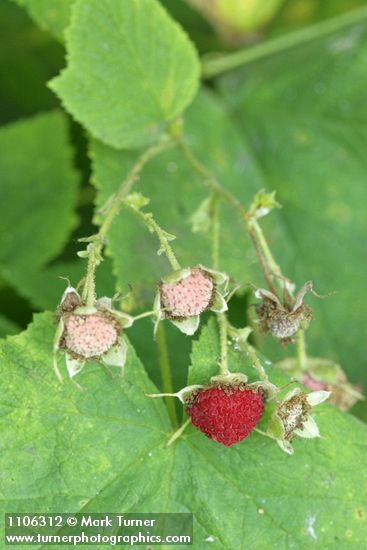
x=228 y=409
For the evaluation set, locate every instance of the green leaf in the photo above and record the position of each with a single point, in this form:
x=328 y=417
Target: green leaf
x=53 y=16
x=7 y=326
x=103 y=449
x=29 y=57
x=175 y=193
x=304 y=112
x=37 y=195
x=78 y=445
x=205 y=356
x=131 y=70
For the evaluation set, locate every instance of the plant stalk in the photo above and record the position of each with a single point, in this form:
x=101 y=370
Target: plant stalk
x=153 y=227
x=266 y=260
x=223 y=337
x=301 y=349
x=221 y=317
x=165 y=369
x=213 y=66
x=110 y=210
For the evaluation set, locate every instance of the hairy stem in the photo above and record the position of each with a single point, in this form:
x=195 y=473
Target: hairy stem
x=209 y=180
x=266 y=260
x=114 y=203
x=260 y=238
x=110 y=211
x=222 y=319
x=153 y=227
x=165 y=368
x=222 y=322
x=255 y=360
x=89 y=288
x=301 y=349
x=215 y=232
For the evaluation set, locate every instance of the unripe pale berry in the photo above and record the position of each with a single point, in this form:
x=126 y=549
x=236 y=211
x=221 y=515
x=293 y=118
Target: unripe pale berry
x=89 y=335
x=188 y=297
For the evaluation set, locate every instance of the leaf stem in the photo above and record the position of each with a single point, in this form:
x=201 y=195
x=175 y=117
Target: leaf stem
x=165 y=368
x=213 y=66
x=110 y=211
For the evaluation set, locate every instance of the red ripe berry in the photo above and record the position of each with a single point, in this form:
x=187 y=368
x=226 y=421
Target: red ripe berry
x=226 y=414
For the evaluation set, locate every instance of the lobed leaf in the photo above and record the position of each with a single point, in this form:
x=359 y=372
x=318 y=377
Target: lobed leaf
x=131 y=70
x=103 y=449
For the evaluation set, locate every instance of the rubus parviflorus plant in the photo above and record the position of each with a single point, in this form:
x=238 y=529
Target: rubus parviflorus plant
x=233 y=428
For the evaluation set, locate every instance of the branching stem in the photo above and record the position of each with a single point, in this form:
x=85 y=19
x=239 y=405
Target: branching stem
x=153 y=227
x=266 y=260
x=110 y=211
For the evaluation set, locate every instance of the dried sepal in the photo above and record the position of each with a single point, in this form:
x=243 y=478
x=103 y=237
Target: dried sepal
x=282 y=320
x=292 y=417
x=70 y=300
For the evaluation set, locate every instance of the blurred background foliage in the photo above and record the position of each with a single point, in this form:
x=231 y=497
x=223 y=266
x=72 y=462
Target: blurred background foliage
x=32 y=52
